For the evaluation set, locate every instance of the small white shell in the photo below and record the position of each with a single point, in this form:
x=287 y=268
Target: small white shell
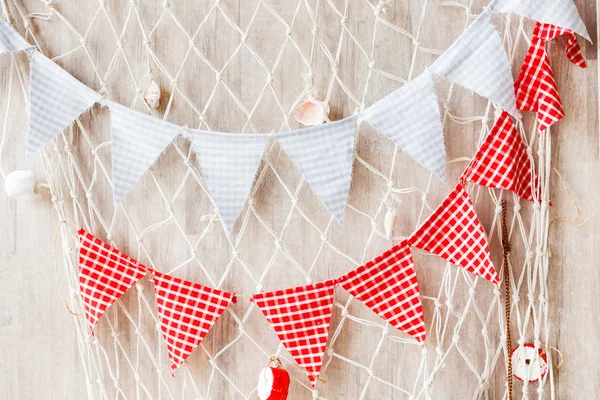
x=152 y=95
x=389 y=222
x=311 y=113
x=20 y=185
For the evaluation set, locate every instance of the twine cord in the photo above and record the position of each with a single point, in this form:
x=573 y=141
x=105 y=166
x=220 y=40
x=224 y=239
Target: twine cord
x=505 y=265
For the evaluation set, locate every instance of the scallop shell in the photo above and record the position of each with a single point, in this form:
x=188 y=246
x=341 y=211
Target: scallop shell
x=311 y=113
x=152 y=95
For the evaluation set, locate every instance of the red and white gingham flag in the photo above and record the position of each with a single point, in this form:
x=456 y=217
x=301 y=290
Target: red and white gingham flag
x=454 y=233
x=186 y=311
x=502 y=161
x=535 y=87
x=548 y=32
x=104 y=275
x=388 y=286
x=301 y=318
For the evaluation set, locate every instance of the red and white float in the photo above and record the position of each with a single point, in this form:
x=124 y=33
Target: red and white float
x=527 y=365
x=273 y=382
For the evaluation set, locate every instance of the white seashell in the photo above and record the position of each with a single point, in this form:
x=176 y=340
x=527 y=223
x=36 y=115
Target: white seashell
x=389 y=222
x=311 y=113
x=20 y=185
x=152 y=95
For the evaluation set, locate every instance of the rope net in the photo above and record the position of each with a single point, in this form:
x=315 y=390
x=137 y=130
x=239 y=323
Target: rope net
x=244 y=66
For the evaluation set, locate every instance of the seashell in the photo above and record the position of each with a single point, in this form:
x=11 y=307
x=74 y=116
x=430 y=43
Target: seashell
x=152 y=95
x=311 y=113
x=389 y=222
x=20 y=185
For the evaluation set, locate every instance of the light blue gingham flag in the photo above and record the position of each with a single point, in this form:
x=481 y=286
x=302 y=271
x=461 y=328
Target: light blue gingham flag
x=410 y=116
x=478 y=62
x=562 y=13
x=137 y=141
x=324 y=155
x=56 y=100
x=10 y=40
x=229 y=163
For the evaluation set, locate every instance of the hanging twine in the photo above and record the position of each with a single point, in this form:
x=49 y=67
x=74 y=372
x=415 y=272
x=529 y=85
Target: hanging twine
x=506 y=253
x=66 y=304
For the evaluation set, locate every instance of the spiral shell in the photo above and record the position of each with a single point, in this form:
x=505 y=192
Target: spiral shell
x=20 y=185
x=152 y=95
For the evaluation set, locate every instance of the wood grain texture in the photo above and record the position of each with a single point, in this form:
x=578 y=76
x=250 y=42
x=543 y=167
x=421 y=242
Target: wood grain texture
x=38 y=352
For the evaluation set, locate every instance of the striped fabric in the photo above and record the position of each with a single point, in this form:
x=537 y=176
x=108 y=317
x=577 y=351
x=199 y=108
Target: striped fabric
x=388 y=286
x=186 y=311
x=300 y=317
x=229 y=164
x=137 y=141
x=324 y=155
x=454 y=233
x=478 y=62
x=104 y=275
x=410 y=116
x=536 y=88
x=549 y=32
x=502 y=162
x=10 y=40
x=561 y=13
x=56 y=100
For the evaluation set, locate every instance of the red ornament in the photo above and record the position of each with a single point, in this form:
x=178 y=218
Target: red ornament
x=273 y=382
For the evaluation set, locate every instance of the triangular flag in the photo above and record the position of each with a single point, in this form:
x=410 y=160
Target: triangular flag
x=388 y=286
x=477 y=61
x=56 y=100
x=502 y=162
x=454 y=233
x=186 y=311
x=536 y=88
x=410 y=116
x=324 y=155
x=10 y=40
x=562 y=13
x=229 y=163
x=137 y=141
x=300 y=317
x=549 y=32
x=104 y=275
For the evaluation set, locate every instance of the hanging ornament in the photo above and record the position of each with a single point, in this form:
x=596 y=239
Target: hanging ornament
x=273 y=382
x=527 y=365
x=20 y=185
x=152 y=95
x=390 y=218
x=311 y=112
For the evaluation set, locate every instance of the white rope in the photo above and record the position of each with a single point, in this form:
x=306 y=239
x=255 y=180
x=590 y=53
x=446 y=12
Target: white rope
x=463 y=316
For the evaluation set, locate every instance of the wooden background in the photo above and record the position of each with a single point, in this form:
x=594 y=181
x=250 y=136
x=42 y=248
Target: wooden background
x=38 y=355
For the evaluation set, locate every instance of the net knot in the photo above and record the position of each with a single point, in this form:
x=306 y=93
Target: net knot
x=517 y=208
x=315 y=31
x=315 y=394
x=235 y=253
x=344 y=21
x=166 y=4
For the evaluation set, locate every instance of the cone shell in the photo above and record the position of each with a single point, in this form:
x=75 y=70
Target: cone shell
x=389 y=222
x=152 y=95
x=311 y=113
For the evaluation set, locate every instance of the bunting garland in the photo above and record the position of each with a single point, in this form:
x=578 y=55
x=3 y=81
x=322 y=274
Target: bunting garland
x=388 y=286
x=186 y=311
x=56 y=100
x=502 y=162
x=536 y=88
x=300 y=317
x=410 y=116
x=573 y=50
x=454 y=233
x=105 y=274
x=478 y=62
x=10 y=40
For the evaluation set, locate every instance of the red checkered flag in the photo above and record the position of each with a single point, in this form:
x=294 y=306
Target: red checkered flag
x=301 y=318
x=548 y=32
x=186 y=311
x=388 y=286
x=502 y=161
x=454 y=233
x=104 y=275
